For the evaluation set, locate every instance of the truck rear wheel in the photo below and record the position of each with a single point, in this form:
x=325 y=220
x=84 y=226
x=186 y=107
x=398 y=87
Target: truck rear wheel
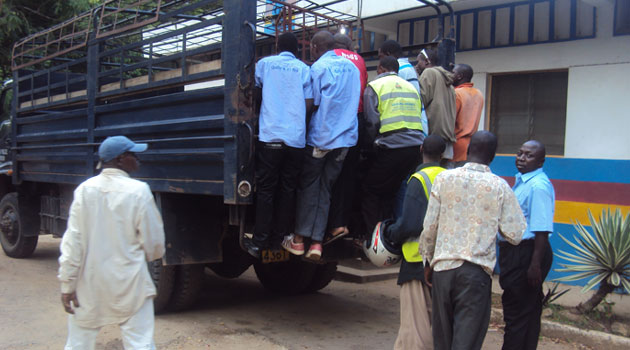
x=188 y=282
x=14 y=243
x=289 y=277
x=323 y=275
x=164 y=280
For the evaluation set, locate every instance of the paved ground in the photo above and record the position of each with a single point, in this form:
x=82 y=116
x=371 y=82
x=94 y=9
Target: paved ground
x=232 y=314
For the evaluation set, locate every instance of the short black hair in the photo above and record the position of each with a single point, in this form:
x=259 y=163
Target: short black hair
x=391 y=47
x=324 y=39
x=431 y=54
x=465 y=70
x=390 y=63
x=288 y=42
x=434 y=145
x=541 y=152
x=483 y=145
x=342 y=41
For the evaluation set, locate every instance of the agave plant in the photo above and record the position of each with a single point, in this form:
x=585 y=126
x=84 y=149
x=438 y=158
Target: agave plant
x=553 y=294
x=603 y=256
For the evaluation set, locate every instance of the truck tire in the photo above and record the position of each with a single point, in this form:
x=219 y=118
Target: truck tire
x=323 y=275
x=188 y=282
x=164 y=280
x=12 y=238
x=289 y=277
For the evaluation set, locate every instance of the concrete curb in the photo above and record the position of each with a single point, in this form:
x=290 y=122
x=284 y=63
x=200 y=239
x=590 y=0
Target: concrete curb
x=358 y=275
x=593 y=339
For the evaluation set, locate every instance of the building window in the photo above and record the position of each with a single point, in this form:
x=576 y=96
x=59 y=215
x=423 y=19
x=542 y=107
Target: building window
x=622 y=17
x=509 y=24
x=529 y=106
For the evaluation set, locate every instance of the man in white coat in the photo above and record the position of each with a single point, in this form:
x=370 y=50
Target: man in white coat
x=114 y=228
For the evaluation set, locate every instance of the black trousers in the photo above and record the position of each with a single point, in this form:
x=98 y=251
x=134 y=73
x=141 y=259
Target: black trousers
x=386 y=172
x=461 y=307
x=343 y=191
x=522 y=303
x=277 y=169
x=342 y=201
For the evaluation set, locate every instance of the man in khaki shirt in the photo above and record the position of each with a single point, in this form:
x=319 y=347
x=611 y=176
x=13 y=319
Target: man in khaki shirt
x=467 y=207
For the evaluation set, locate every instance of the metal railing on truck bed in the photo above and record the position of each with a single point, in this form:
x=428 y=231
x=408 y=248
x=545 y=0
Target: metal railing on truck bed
x=176 y=74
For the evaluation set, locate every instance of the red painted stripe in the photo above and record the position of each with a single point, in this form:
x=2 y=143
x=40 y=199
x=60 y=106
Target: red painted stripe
x=588 y=192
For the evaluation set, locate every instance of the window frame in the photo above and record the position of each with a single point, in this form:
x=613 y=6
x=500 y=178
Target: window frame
x=627 y=30
x=489 y=103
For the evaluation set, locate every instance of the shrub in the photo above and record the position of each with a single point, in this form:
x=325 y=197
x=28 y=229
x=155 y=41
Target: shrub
x=603 y=256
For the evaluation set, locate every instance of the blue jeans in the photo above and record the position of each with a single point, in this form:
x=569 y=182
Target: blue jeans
x=313 y=197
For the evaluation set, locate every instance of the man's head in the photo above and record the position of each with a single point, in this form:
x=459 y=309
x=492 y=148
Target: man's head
x=432 y=149
x=482 y=148
x=462 y=73
x=427 y=58
x=322 y=42
x=120 y=152
x=343 y=41
x=530 y=156
x=288 y=42
x=390 y=48
x=387 y=64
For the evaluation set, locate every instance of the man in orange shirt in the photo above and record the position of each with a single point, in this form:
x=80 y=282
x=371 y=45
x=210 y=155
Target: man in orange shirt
x=469 y=103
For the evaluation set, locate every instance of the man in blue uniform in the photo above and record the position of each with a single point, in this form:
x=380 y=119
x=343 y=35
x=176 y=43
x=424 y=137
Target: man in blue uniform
x=333 y=128
x=524 y=267
x=286 y=96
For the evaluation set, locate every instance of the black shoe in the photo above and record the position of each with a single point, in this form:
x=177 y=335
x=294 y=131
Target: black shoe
x=252 y=248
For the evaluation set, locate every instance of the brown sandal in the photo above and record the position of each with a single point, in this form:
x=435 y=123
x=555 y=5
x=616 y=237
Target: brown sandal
x=341 y=232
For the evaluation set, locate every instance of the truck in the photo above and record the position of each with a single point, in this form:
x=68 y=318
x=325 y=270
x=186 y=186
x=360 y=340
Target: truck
x=178 y=75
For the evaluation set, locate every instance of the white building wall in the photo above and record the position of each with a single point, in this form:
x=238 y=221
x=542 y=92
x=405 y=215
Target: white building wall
x=598 y=120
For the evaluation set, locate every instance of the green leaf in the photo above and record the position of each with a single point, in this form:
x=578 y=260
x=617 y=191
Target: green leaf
x=574 y=277
x=614 y=279
x=594 y=281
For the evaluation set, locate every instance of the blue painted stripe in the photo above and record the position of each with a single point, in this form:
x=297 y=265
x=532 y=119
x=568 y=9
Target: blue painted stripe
x=557 y=244
x=575 y=169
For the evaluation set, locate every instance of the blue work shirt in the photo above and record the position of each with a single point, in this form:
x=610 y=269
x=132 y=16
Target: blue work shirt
x=408 y=72
x=537 y=197
x=336 y=90
x=286 y=83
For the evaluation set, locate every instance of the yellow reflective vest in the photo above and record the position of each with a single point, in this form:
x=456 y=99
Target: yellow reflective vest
x=426 y=177
x=398 y=104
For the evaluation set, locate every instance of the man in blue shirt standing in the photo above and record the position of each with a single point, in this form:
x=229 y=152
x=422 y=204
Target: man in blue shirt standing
x=524 y=267
x=286 y=97
x=333 y=128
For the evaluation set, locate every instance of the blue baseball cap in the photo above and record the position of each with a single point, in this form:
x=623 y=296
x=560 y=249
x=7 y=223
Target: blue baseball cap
x=114 y=146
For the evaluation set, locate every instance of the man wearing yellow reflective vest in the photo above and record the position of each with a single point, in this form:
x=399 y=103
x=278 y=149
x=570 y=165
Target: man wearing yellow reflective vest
x=392 y=109
x=415 y=295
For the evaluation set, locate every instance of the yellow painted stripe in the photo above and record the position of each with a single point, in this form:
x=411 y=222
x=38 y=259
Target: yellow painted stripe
x=570 y=212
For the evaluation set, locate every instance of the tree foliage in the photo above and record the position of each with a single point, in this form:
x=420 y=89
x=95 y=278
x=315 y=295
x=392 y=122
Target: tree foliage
x=20 y=18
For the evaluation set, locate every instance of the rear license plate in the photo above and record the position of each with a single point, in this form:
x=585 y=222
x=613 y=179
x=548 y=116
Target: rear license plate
x=271 y=256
